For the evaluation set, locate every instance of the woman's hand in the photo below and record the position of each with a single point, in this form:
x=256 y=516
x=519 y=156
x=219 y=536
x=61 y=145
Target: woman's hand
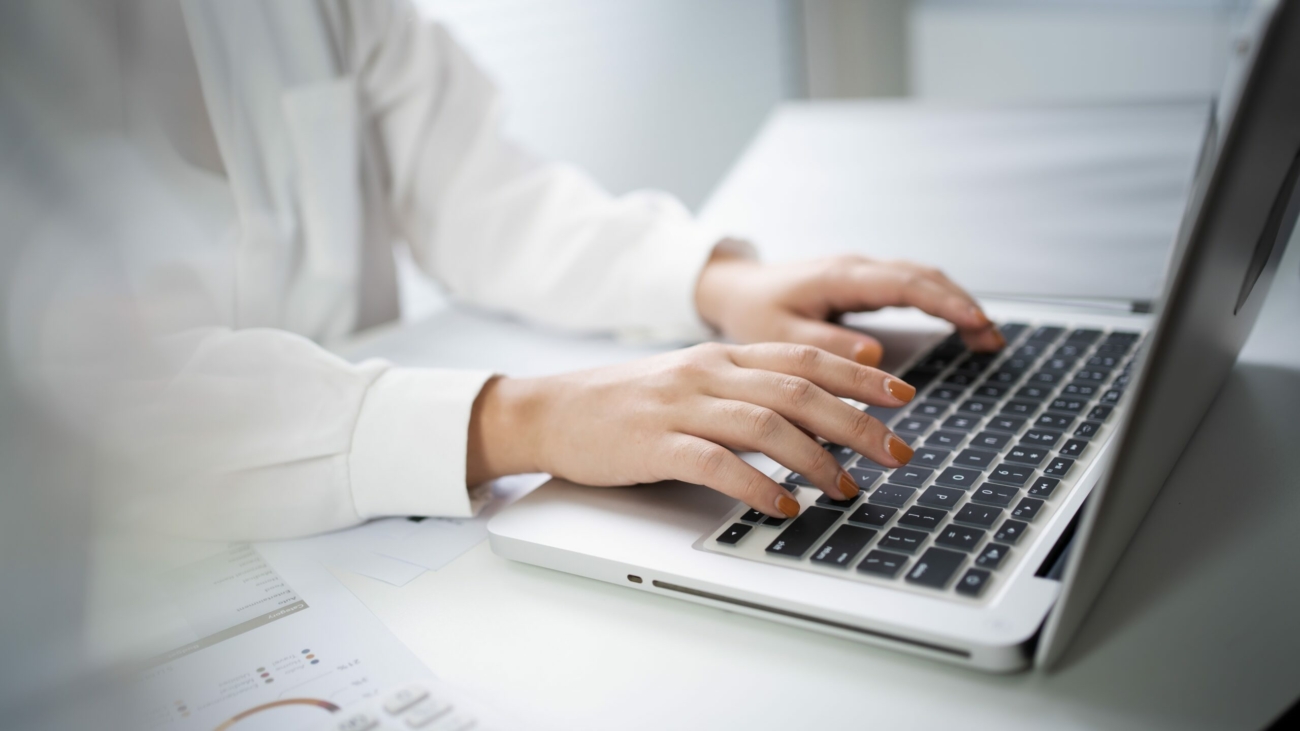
x=751 y=302
x=673 y=416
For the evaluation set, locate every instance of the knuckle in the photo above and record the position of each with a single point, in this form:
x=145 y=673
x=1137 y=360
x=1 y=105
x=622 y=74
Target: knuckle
x=752 y=488
x=805 y=356
x=764 y=423
x=861 y=426
x=823 y=463
x=863 y=378
x=796 y=391
x=707 y=459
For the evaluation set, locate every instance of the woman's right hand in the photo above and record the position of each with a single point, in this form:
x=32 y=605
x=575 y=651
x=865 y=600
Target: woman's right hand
x=676 y=416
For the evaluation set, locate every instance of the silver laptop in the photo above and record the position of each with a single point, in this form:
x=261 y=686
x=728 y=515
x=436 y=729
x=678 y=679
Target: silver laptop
x=1033 y=466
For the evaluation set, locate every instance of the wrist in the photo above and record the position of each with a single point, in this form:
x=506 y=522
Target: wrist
x=503 y=433
x=717 y=281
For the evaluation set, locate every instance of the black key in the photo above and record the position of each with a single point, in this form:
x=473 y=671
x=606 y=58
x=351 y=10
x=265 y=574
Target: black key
x=910 y=476
x=1090 y=375
x=913 y=425
x=1017 y=363
x=973 y=582
x=990 y=440
x=1005 y=376
x=842 y=454
x=1073 y=448
x=1009 y=424
x=882 y=563
x=1109 y=348
x=846 y=542
x=1027 y=509
x=1043 y=486
x=1070 y=350
x=1054 y=421
x=975 y=458
x=804 y=531
x=883 y=415
x=940 y=497
x=977 y=362
x=1112 y=397
x=981 y=515
x=903 y=539
x=1058 y=467
x=775 y=522
x=991 y=390
x=920 y=377
x=1011 y=474
x=1087 y=429
x=1033 y=392
x=946 y=393
x=1010 y=532
x=1046 y=333
x=1080 y=390
x=798 y=479
x=1047 y=378
x=938 y=360
x=1012 y=330
x=1027 y=454
x=1119 y=384
x=1041 y=437
x=1103 y=360
x=957 y=477
x=1100 y=413
x=752 y=516
x=1084 y=336
x=828 y=501
x=1016 y=407
x=1068 y=404
x=945 y=439
x=864 y=478
x=959 y=537
x=930 y=409
x=994 y=494
x=977 y=406
x=733 y=534
x=935 y=568
x=992 y=556
x=962 y=422
x=888 y=494
x=872 y=514
x=923 y=518
x=1059 y=363
x=929 y=457
x=1030 y=350
x=961 y=379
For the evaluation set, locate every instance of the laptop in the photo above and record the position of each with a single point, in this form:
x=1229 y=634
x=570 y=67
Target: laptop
x=1034 y=466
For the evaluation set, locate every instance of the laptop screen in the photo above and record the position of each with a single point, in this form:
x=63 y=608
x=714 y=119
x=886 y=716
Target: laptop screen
x=1241 y=212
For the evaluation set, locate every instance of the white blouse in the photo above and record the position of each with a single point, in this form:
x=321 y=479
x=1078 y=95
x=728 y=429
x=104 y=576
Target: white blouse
x=345 y=126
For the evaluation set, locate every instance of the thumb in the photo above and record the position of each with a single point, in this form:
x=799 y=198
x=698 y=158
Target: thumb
x=835 y=339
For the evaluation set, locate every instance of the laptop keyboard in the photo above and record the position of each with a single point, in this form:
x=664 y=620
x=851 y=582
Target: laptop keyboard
x=1000 y=439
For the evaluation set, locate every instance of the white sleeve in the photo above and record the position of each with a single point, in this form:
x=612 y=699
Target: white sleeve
x=502 y=230
x=262 y=434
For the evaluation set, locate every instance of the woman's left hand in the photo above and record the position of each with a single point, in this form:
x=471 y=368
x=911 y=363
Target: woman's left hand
x=750 y=302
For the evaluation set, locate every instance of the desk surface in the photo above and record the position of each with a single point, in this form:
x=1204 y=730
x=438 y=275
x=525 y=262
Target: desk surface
x=1194 y=630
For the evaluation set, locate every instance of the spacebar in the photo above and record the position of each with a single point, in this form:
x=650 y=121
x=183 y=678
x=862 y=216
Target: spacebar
x=796 y=539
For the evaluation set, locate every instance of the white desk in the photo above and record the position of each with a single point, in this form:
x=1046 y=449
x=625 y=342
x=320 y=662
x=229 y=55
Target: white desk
x=1195 y=630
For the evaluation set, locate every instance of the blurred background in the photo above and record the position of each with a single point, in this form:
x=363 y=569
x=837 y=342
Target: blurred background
x=666 y=94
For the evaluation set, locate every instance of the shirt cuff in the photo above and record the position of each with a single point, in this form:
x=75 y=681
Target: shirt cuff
x=669 y=272
x=409 y=447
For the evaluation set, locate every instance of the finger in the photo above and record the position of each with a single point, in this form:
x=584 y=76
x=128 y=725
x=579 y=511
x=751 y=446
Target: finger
x=839 y=376
x=752 y=428
x=704 y=463
x=841 y=341
x=801 y=401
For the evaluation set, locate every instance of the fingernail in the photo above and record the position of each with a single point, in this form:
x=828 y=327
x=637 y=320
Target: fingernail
x=848 y=487
x=787 y=505
x=979 y=317
x=867 y=353
x=898 y=449
x=901 y=390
